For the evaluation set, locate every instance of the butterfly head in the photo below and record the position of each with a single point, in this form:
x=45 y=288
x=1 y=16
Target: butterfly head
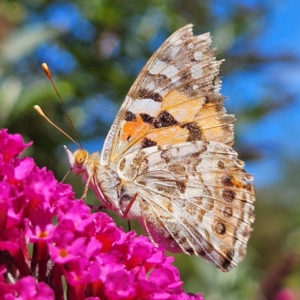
x=77 y=159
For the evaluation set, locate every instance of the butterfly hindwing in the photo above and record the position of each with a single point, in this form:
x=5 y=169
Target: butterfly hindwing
x=194 y=197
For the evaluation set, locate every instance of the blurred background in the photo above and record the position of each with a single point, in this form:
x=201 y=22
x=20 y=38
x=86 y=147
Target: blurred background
x=96 y=48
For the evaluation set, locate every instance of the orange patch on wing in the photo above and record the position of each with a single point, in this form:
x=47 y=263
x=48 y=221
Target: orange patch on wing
x=169 y=135
x=212 y=127
x=187 y=111
x=173 y=98
x=134 y=129
x=182 y=108
x=208 y=114
x=238 y=184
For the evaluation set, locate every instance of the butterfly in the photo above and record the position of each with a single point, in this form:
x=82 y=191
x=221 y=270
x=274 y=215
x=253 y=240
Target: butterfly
x=168 y=161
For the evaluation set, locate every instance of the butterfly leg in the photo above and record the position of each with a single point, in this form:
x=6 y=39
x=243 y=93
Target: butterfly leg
x=128 y=209
x=96 y=207
x=86 y=188
x=130 y=204
x=129 y=225
x=146 y=226
x=63 y=180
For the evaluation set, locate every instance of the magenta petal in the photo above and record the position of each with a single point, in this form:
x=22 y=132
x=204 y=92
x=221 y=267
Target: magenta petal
x=28 y=288
x=23 y=168
x=11 y=145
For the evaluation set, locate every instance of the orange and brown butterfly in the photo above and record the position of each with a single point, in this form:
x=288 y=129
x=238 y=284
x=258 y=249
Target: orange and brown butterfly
x=168 y=159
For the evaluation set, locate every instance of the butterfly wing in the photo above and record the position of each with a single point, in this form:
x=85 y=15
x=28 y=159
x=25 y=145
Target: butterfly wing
x=174 y=99
x=193 y=197
x=171 y=142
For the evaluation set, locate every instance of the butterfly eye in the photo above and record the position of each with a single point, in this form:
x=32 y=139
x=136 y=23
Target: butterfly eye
x=80 y=158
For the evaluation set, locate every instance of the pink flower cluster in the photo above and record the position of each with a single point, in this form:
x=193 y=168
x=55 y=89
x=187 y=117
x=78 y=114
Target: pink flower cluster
x=51 y=245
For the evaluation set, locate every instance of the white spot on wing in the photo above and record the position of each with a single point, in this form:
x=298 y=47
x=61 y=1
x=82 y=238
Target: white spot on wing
x=198 y=55
x=151 y=86
x=196 y=71
x=145 y=105
x=170 y=71
x=174 y=50
x=157 y=67
x=190 y=46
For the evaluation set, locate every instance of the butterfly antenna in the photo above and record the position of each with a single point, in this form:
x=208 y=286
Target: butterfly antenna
x=39 y=110
x=48 y=74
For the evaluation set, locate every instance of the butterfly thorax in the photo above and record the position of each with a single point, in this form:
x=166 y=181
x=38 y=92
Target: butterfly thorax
x=102 y=179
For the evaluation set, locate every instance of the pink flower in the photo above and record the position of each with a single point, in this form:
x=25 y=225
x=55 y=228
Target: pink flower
x=97 y=259
x=26 y=288
x=287 y=294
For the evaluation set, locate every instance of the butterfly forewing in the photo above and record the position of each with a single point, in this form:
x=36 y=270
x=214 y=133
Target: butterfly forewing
x=174 y=99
